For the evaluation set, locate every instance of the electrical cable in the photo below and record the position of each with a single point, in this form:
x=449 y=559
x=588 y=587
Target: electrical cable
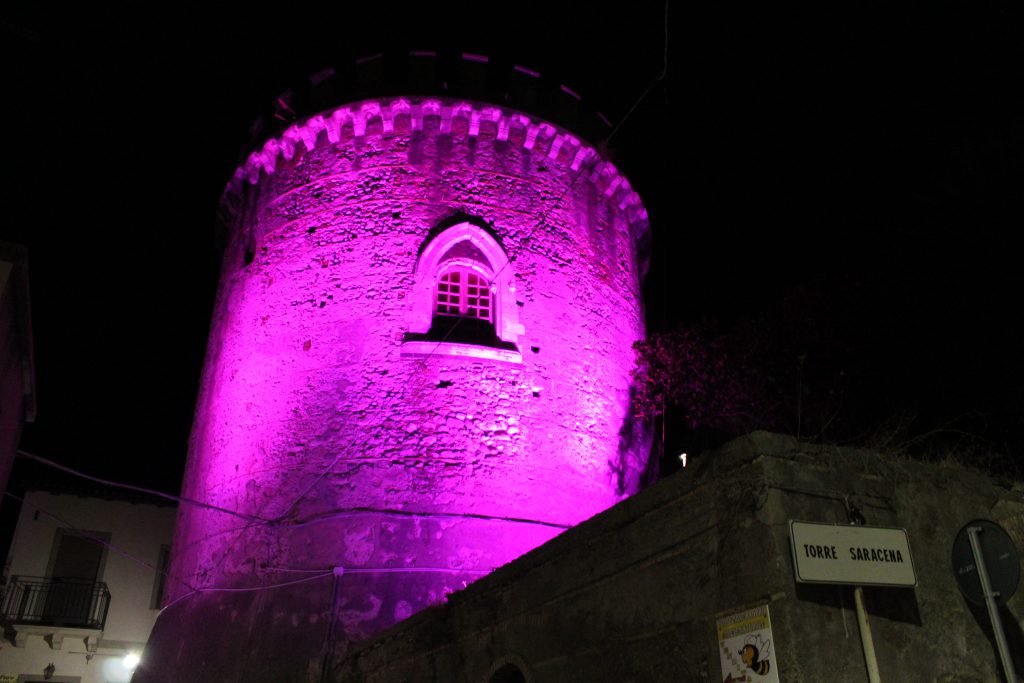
x=259 y=521
x=329 y=637
x=193 y=590
x=388 y=570
x=320 y=573
x=107 y=544
x=206 y=589
x=422 y=515
x=99 y=541
x=579 y=172
x=132 y=487
x=250 y=589
x=253 y=589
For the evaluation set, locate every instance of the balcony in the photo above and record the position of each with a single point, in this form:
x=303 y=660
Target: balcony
x=54 y=608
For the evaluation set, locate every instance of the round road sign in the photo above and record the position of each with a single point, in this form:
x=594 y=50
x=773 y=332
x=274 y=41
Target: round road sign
x=1001 y=561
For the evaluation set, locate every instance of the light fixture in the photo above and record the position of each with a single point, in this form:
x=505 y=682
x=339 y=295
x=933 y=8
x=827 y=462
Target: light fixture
x=130 y=661
x=682 y=459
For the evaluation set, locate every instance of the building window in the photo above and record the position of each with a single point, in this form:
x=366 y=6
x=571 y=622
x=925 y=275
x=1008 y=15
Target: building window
x=463 y=299
x=160 y=578
x=464 y=293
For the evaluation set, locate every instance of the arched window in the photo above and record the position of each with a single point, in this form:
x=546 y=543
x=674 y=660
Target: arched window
x=463 y=298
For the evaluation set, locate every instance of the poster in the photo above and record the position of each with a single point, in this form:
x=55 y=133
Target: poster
x=745 y=647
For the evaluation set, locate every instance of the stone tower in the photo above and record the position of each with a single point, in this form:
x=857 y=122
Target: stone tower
x=418 y=368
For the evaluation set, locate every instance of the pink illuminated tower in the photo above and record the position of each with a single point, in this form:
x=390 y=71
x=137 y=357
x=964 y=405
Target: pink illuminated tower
x=418 y=370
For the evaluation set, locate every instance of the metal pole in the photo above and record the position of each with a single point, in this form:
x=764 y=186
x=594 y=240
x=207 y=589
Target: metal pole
x=990 y=602
x=328 y=659
x=866 y=642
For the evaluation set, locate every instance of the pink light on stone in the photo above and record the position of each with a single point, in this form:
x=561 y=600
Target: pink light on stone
x=570 y=92
x=405 y=451
x=527 y=71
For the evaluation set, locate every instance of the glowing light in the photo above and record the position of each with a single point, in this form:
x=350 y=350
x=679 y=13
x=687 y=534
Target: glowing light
x=326 y=406
x=682 y=459
x=130 y=661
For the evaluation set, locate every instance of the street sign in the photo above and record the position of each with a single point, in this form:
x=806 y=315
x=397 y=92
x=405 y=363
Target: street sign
x=854 y=555
x=988 y=573
x=1001 y=561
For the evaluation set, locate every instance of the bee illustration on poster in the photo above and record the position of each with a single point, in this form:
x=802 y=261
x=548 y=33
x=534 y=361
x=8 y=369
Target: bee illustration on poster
x=745 y=647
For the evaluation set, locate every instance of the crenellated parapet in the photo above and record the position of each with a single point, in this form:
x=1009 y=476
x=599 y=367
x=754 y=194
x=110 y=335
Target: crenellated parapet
x=402 y=115
x=419 y=361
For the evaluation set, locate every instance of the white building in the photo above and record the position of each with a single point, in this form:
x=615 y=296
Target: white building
x=78 y=596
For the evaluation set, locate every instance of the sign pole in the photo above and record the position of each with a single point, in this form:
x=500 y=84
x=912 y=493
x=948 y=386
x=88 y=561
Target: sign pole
x=990 y=602
x=855 y=555
x=866 y=642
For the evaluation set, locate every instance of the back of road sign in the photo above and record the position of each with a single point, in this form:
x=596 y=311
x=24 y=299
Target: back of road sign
x=1001 y=561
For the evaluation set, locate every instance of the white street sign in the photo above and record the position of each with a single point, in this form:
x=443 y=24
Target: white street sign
x=857 y=555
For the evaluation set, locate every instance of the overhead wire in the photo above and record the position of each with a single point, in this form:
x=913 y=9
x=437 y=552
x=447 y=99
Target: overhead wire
x=250 y=589
x=257 y=521
x=132 y=487
x=386 y=570
x=99 y=541
x=194 y=590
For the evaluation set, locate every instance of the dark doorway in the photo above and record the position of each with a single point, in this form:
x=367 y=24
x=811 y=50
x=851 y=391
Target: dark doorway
x=510 y=673
x=76 y=563
x=75 y=557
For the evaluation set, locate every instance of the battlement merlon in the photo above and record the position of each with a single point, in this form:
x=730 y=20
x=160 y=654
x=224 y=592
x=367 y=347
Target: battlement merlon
x=399 y=115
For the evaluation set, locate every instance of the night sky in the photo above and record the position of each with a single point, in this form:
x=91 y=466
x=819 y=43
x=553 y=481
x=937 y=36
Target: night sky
x=869 y=163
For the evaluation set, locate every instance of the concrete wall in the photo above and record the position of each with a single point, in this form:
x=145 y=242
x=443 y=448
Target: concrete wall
x=634 y=593
x=137 y=530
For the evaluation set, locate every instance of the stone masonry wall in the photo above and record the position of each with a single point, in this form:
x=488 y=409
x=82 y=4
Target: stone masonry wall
x=413 y=474
x=634 y=593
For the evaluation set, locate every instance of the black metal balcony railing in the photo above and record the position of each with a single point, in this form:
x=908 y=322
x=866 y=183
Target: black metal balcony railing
x=71 y=603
